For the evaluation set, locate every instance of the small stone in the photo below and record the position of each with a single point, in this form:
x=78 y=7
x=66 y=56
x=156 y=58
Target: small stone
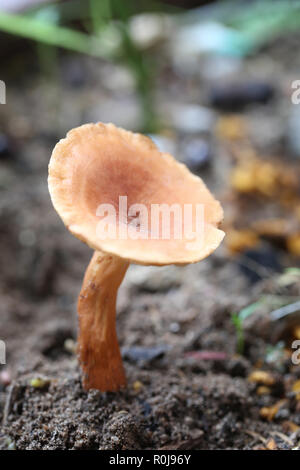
x=39 y=382
x=191 y=118
x=148 y=29
x=188 y=420
x=70 y=345
x=218 y=67
x=198 y=38
x=261 y=377
x=236 y=96
x=118 y=79
x=137 y=386
x=269 y=413
x=141 y=354
x=174 y=327
x=263 y=390
x=271 y=444
x=197 y=154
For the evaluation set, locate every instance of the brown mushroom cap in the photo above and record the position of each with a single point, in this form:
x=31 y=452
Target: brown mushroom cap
x=97 y=163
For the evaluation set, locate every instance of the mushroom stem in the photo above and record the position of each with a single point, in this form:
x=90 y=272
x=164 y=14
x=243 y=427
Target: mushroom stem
x=98 y=347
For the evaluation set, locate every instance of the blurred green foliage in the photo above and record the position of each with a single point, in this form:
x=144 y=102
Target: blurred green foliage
x=238 y=321
x=96 y=28
x=100 y=28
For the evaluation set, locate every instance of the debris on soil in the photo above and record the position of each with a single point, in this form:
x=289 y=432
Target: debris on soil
x=187 y=386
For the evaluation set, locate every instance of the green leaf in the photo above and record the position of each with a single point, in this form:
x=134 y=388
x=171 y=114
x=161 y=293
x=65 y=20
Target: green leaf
x=295 y=271
x=49 y=33
x=235 y=319
x=247 y=311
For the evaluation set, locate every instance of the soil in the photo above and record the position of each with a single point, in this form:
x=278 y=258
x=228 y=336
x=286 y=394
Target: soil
x=187 y=386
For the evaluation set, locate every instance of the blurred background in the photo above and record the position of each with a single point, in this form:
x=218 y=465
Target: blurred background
x=213 y=83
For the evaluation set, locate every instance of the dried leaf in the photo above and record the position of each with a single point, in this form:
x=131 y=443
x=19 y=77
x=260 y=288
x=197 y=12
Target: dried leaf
x=231 y=127
x=240 y=240
x=296 y=332
x=243 y=179
x=263 y=390
x=254 y=175
x=261 y=377
x=293 y=244
x=271 y=228
x=269 y=412
x=289 y=426
x=271 y=444
x=296 y=389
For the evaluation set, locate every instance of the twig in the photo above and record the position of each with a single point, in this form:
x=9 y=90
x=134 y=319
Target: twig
x=283 y=437
x=257 y=436
x=286 y=310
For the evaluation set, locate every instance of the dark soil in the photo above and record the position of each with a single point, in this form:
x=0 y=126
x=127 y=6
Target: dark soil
x=171 y=321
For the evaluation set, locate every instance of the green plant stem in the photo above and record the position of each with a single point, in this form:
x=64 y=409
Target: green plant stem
x=240 y=340
x=100 y=14
x=143 y=74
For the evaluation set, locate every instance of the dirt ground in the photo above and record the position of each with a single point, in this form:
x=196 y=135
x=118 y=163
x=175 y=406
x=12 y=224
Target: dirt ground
x=187 y=386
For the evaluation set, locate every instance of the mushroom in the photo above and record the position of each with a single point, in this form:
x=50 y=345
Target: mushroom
x=91 y=173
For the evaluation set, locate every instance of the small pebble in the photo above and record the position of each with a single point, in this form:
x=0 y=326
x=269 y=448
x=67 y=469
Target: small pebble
x=174 y=327
x=39 y=382
x=70 y=345
x=263 y=390
x=137 y=386
x=236 y=96
x=192 y=118
x=261 y=377
x=148 y=29
x=141 y=354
